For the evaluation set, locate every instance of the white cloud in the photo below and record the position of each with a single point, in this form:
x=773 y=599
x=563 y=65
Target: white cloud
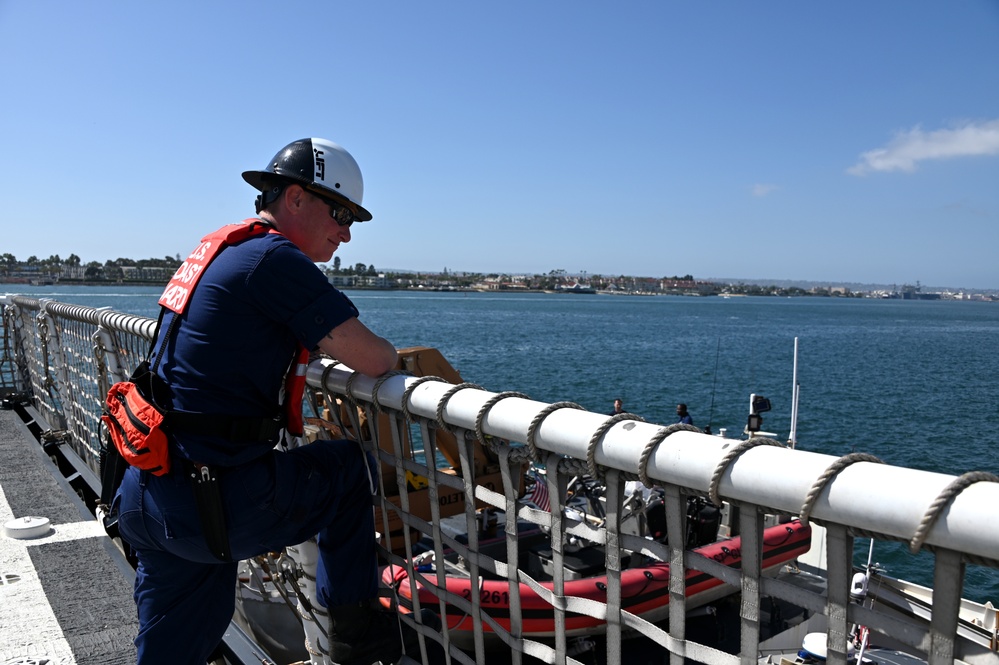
x=909 y=148
x=761 y=189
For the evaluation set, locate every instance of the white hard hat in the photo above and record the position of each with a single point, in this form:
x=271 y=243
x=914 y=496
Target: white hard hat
x=316 y=164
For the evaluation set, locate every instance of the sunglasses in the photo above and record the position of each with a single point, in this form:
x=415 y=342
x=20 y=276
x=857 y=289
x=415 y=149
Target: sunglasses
x=343 y=215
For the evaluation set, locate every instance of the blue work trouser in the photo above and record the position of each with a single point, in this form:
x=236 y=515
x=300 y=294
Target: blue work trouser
x=185 y=597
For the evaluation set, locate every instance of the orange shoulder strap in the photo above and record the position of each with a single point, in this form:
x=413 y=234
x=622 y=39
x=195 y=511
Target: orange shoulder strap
x=178 y=290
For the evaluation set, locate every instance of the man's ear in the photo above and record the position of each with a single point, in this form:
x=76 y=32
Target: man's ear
x=294 y=197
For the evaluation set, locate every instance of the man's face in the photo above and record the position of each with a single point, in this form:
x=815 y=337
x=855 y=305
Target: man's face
x=324 y=234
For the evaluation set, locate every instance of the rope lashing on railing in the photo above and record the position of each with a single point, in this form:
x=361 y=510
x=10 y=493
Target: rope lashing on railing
x=445 y=398
x=570 y=466
x=517 y=454
x=330 y=400
x=537 y=420
x=737 y=450
x=326 y=375
x=43 y=338
x=100 y=361
x=657 y=438
x=8 y=325
x=348 y=389
x=376 y=407
x=13 y=339
x=408 y=392
x=598 y=434
x=355 y=418
x=378 y=384
x=956 y=486
x=831 y=471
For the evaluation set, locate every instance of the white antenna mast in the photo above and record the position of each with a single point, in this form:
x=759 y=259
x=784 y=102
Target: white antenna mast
x=792 y=438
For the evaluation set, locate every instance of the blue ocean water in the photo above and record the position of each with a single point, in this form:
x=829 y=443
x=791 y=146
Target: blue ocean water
x=915 y=383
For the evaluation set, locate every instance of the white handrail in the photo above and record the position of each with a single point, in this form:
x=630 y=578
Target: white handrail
x=872 y=497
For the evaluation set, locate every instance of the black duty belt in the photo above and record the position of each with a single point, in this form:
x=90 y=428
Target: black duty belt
x=231 y=428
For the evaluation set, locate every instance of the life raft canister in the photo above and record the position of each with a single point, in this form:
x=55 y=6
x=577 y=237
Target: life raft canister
x=178 y=292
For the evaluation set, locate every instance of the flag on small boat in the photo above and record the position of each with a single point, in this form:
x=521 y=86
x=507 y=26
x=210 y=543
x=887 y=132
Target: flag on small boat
x=539 y=493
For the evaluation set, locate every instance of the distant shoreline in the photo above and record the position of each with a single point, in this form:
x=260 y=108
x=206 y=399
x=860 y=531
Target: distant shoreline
x=138 y=283
x=11 y=284
x=81 y=282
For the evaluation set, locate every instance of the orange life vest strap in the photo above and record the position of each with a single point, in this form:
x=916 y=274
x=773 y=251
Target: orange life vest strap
x=178 y=290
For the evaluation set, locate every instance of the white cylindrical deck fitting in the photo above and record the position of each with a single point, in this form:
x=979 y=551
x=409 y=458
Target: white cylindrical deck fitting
x=23 y=528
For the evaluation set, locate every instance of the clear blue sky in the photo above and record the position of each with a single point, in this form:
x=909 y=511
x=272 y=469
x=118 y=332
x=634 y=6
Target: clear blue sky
x=846 y=141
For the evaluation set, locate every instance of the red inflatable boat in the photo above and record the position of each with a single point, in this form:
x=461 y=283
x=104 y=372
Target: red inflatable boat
x=644 y=589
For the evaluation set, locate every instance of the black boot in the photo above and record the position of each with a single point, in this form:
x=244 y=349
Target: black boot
x=362 y=635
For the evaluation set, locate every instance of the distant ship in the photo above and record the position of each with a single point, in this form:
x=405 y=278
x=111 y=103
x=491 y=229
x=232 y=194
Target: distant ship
x=575 y=288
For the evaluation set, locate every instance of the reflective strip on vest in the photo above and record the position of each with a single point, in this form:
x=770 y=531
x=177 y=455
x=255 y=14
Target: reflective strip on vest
x=294 y=390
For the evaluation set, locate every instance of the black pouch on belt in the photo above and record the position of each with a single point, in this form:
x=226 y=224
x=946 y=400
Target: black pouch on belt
x=205 y=481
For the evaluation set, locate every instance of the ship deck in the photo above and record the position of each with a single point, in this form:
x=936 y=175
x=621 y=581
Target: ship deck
x=65 y=597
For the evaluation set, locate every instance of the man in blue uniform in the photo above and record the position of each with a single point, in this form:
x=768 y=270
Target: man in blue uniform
x=225 y=358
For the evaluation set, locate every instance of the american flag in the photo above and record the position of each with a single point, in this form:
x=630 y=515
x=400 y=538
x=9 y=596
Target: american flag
x=538 y=494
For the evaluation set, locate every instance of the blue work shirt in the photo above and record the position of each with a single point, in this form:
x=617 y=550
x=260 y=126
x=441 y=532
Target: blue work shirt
x=256 y=301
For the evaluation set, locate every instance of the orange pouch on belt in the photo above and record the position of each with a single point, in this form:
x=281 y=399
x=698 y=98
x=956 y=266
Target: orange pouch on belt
x=136 y=427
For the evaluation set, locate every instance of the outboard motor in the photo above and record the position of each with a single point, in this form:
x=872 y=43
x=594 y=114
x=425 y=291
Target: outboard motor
x=655 y=518
x=703 y=519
